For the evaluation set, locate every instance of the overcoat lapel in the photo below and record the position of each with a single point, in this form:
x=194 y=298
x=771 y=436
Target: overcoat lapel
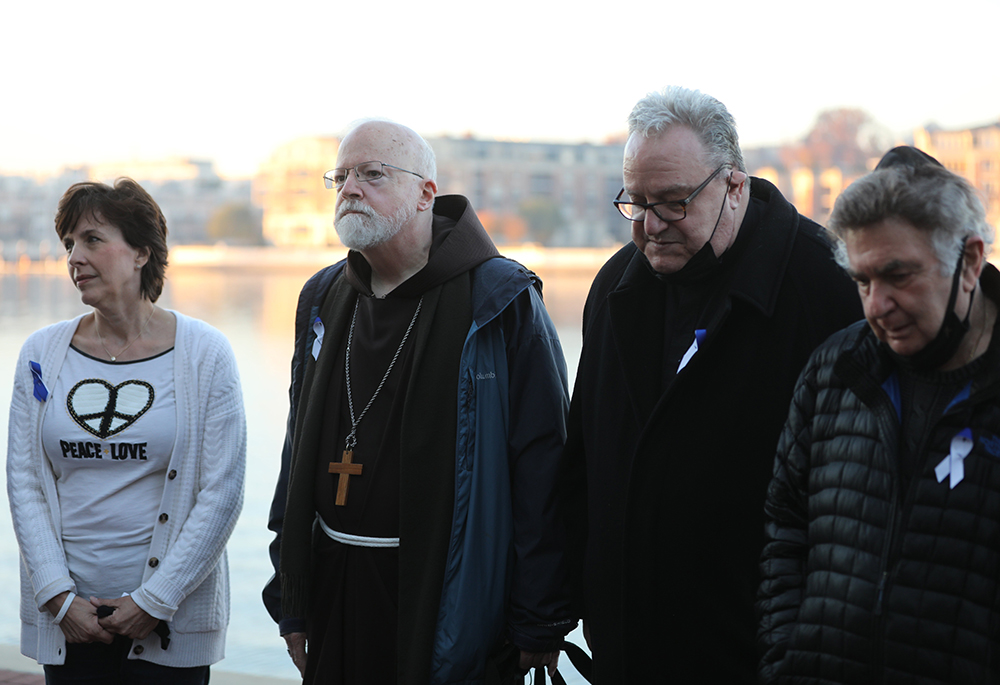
x=636 y=310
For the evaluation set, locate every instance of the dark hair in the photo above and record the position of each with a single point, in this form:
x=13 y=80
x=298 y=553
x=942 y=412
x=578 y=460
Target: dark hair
x=132 y=211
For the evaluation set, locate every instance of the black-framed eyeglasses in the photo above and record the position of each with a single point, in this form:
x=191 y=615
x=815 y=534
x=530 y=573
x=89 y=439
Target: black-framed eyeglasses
x=366 y=172
x=671 y=210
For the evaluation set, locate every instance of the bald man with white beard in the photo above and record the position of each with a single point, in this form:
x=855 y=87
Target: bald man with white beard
x=416 y=533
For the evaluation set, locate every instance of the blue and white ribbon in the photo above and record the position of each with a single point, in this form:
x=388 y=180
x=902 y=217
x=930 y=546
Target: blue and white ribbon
x=953 y=466
x=318 y=329
x=699 y=337
x=41 y=392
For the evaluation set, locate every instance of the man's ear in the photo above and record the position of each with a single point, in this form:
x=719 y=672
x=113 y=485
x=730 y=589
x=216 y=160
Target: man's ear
x=974 y=259
x=428 y=190
x=737 y=186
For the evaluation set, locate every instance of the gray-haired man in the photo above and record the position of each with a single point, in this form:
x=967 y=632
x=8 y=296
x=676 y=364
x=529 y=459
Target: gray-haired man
x=694 y=335
x=883 y=524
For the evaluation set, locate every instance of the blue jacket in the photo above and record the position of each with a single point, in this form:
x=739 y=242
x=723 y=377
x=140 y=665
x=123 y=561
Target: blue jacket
x=504 y=574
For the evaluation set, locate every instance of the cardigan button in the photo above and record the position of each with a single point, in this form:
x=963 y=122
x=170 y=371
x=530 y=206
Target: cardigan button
x=154 y=562
x=137 y=650
x=172 y=474
x=164 y=518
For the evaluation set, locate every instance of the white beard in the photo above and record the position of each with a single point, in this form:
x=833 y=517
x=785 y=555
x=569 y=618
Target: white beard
x=369 y=229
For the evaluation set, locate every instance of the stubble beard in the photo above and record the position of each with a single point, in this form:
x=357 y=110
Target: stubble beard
x=368 y=228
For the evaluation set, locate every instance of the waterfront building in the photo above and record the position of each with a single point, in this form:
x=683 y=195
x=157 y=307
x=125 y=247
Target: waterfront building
x=547 y=193
x=27 y=214
x=297 y=208
x=189 y=191
x=812 y=187
x=973 y=153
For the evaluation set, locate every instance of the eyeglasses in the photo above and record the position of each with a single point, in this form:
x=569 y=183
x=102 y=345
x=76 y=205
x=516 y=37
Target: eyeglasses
x=366 y=172
x=671 y=210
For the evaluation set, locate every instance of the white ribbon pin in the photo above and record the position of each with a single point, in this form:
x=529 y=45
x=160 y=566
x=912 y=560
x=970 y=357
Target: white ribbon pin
x=954 y=464
x=699 y=336
x=318 y=329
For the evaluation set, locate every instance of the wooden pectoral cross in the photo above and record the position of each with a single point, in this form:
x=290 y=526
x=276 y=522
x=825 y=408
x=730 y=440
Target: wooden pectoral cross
x=346 y=469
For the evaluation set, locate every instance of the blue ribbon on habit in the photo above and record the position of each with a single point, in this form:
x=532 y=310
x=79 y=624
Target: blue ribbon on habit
x=41 y=392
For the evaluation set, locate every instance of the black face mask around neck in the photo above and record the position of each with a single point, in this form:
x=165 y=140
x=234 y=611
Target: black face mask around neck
x=943 y=347
x=704 y=261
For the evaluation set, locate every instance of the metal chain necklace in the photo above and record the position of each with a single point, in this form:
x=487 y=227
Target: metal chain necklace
x=114 y=357
x=352 y=438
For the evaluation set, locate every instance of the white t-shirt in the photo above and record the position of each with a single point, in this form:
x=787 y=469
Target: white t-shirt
x=108 y=431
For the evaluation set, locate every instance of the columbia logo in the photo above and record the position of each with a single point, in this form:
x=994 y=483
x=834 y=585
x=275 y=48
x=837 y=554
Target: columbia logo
x=485 y=376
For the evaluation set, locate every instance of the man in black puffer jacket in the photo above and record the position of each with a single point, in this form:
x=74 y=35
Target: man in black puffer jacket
x=883 y=517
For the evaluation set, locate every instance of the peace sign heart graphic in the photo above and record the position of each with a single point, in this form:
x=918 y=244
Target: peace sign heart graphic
x=103 y=409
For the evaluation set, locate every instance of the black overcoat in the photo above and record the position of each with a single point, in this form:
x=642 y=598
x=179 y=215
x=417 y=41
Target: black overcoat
x=665 y=490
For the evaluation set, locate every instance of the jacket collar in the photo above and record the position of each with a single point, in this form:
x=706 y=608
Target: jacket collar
x=636 y=302
x=772 y=229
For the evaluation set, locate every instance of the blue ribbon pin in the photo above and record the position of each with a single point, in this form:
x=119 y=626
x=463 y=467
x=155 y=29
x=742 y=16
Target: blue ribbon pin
x=41 y=392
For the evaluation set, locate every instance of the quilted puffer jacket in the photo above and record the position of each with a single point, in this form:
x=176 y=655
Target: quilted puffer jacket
x=863 y=580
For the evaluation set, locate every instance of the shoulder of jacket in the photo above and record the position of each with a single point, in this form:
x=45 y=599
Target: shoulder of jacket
x=813 y=239
x=188 y=325
x=39 y=341
x=498 y=282
x=611 y=273
x=499 y=266
x=844 y=340
x=815 y=274
x=197 y=335
x=618 y=262
x=320 y=281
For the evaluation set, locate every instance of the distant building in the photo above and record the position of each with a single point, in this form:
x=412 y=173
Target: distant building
x=812 y=188
x=973 y=153
x=298 y=209
x=156 y=171
x=553 y=193
x=189 y=192
x=27 y=214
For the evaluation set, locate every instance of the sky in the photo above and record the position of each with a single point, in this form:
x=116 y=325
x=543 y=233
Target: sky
x=114 y=81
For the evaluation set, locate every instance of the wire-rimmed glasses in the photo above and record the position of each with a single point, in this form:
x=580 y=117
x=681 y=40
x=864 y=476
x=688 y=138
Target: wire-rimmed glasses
x=366 y=172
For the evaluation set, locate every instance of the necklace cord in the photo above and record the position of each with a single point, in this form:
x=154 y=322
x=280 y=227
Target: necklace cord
x=352 y=438
x=114 y=357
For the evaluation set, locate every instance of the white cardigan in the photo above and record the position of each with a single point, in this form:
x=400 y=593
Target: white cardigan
x=186 y=580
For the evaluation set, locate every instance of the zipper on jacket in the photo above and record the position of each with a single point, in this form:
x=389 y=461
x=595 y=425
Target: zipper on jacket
x=881 y=593
x=858 y=378
x=878 y=621
x=900 y=511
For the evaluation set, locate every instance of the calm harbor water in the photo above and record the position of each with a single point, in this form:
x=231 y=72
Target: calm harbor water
x=255 y=309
